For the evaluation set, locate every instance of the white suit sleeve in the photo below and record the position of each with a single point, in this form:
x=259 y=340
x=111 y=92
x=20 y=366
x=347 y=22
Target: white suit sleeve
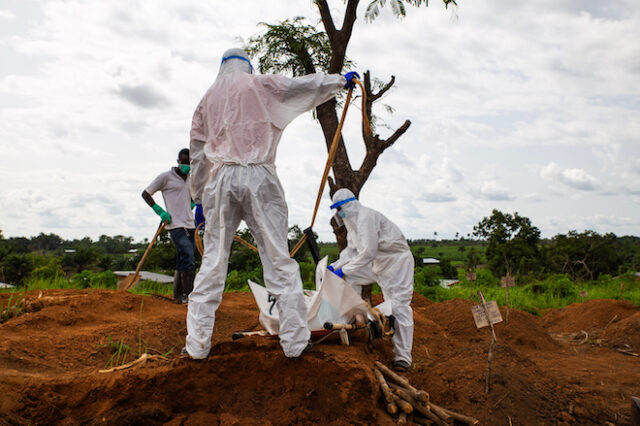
x=200 y=165
x=367 y=247
x=304 y=93
x=345 y=255
x=200 y=169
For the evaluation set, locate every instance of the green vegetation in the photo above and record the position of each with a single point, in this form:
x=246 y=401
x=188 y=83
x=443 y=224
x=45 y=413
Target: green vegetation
x=548 y=273
x=553 y=292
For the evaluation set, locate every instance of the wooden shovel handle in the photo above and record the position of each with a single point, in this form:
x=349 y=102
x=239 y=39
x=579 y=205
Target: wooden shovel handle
x=146 y=252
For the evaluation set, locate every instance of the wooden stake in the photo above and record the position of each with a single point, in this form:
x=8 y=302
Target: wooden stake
x=418 y=408
x=440 y=412
x=494 y=341
x=429 y=420
x=386 y=392
x=462 y=418
x=403 y=405
x=507 y=316
x=486 y=312
x=411 y=393
x=421 y=396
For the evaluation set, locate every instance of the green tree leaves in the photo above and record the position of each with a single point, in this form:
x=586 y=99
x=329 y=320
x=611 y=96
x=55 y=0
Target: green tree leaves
x=513 y=243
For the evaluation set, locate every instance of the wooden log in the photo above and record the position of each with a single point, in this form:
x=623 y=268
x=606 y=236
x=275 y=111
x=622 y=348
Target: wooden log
x=440 y=412
x=421 y=396
x=462 y=418
x=386 y=391
x=417 y=407
x=391 y=408
x=402 y=418
x=430 y=420
x=403 y=405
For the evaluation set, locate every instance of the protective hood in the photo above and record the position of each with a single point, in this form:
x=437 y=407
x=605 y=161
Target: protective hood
x=350 y=208
x=235 y=60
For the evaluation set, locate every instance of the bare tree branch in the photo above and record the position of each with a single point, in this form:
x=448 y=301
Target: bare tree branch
x=376 y=96
x=394 y=137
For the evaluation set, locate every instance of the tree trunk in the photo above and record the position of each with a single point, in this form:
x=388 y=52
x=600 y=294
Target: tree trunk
x=344 y=176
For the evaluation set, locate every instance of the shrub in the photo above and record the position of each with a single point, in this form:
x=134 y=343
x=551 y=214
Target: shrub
x=16 y=267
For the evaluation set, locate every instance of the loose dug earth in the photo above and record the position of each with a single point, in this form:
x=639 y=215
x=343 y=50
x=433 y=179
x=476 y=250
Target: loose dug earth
x=542 y=372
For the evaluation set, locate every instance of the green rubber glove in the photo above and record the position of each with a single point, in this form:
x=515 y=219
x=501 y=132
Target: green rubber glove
x=164 y=216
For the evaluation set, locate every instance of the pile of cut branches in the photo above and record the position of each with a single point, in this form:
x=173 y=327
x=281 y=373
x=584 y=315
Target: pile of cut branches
x=412 y=405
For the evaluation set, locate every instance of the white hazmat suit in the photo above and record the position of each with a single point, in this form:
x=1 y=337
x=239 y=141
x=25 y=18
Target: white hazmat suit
x=235 y=133
x=378 y=252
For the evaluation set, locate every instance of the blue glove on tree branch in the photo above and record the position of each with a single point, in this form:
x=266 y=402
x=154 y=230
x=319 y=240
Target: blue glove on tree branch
x=199 y=215
x=338 y=271
x=349 y=76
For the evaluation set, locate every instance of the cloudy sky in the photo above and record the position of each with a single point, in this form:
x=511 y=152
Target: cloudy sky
x=529 y=106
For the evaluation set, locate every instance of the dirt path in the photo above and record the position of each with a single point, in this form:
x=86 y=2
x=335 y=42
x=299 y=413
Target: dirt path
x=542 y=372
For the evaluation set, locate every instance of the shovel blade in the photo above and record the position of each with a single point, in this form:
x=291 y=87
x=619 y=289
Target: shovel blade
x=128 y=282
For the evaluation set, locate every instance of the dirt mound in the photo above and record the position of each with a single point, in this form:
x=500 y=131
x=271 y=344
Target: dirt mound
x=50 y=357
x=590 y=315
x=245 y=384
x=452 y=321
x=625 y=333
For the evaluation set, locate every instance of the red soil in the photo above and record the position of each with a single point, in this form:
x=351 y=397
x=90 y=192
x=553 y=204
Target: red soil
x=50 y=357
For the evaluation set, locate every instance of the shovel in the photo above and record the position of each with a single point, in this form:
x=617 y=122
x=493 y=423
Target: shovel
x=132 y=279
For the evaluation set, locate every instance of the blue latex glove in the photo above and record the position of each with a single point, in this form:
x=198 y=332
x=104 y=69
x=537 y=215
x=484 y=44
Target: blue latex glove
x=338 y=271
x=350 y=83
x=199 y=216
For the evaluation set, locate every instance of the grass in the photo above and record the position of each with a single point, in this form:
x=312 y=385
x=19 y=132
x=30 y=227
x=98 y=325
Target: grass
x=11 y=310
x=119 y=350
x=554 y=292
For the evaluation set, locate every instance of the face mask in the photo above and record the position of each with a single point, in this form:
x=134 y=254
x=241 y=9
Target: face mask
x=185 y=168
x=342 y=214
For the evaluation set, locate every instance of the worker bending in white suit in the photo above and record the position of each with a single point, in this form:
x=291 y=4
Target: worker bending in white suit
x=235 y=133
x=378 y=252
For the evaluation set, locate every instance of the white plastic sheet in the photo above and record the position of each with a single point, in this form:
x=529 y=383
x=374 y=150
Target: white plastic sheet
x=333 y=300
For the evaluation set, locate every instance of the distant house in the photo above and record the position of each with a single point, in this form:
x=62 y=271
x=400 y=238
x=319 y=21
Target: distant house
x=133 y=250
x=69 y=250
x=430 y=261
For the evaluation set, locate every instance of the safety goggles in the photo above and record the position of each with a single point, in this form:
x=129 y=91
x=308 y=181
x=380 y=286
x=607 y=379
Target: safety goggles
x=337 y=204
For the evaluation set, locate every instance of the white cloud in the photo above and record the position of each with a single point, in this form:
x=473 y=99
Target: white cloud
x=7 y=14
x=574 y=178
x=97 y=98
x=493 y=191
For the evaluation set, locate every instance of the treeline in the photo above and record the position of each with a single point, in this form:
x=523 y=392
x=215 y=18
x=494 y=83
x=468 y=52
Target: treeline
x=501 y=243
x=514 y=246
x=48 y=256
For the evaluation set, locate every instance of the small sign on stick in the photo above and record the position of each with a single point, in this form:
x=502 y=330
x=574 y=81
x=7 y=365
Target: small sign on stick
x=471 y=276
x=481 y=319
x=508 y=281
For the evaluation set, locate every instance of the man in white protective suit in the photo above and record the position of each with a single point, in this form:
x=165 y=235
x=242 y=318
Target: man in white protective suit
x=378 y=252
x=235 y=133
